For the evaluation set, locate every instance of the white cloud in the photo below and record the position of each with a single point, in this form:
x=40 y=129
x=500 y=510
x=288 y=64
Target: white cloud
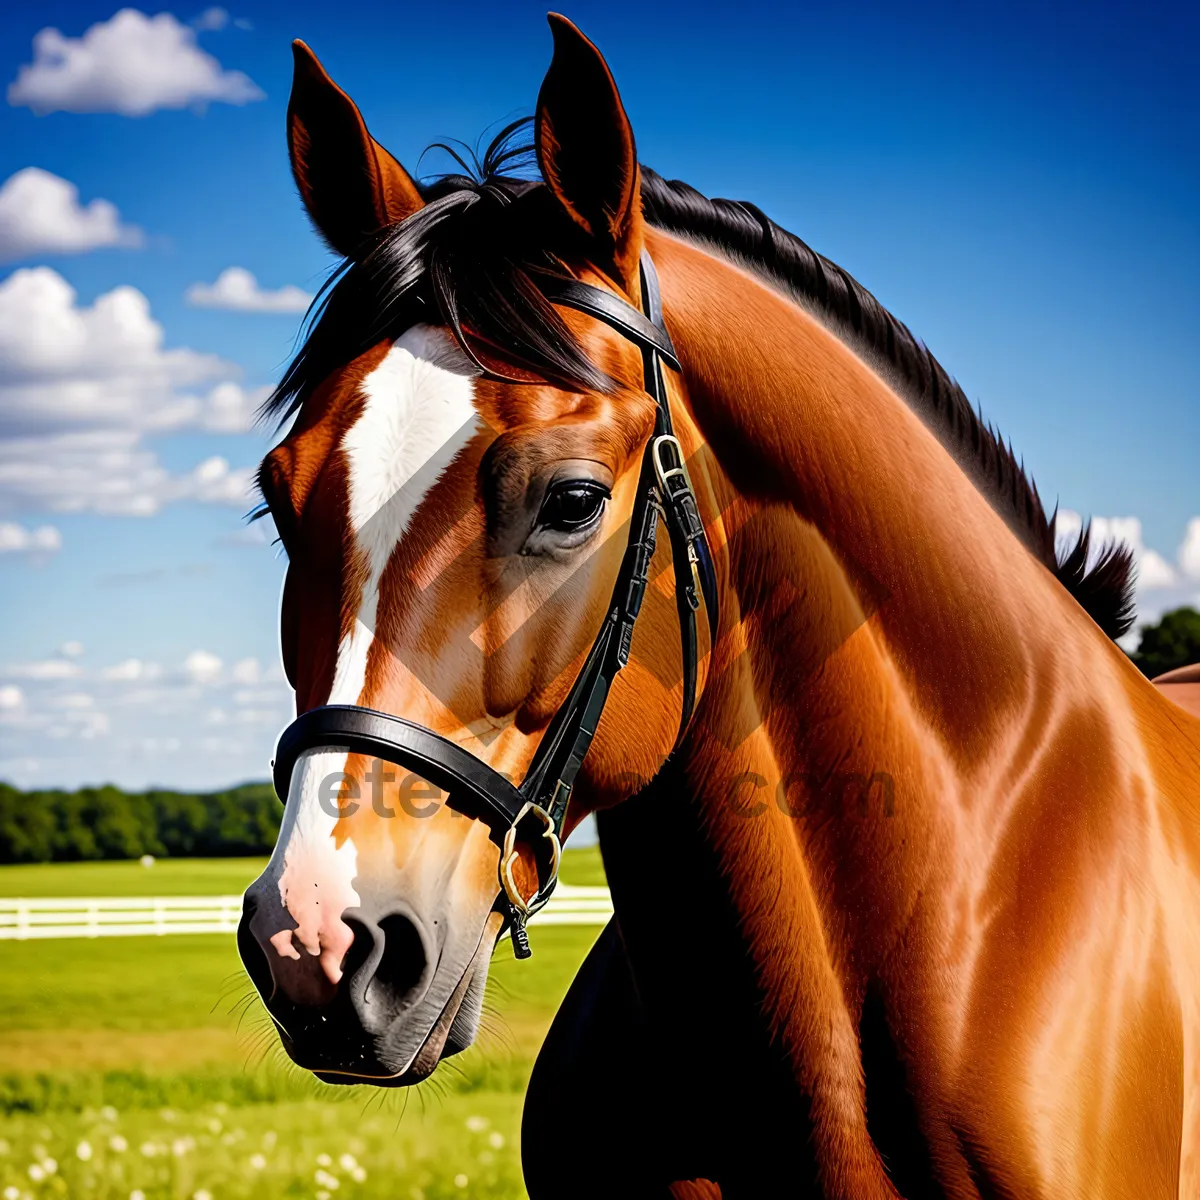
x=130 y=64
x=230 y=408
x=211 y=20
x=39 y=543
x=1189 y=550
x=112 y=473
x=41 y=214
x=235 y=288
x=131 y=670
x=202 y=667
x=62 y=363
x=211 y=720
x=71 y=649
x=1153 y=570
x=80 y=388
x=246 y=670
x=45 y=669
x=258 y=716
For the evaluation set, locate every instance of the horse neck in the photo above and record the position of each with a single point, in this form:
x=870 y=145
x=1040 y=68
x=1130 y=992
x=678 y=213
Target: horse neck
x=888 y=643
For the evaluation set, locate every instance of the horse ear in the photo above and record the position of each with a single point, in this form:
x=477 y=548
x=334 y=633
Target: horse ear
x=351 y=186
x=585 y=147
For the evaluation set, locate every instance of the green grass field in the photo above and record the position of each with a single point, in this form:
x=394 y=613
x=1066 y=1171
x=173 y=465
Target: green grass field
x=144 y=1065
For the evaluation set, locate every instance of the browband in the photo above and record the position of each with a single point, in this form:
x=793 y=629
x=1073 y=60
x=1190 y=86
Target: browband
x=613 y=311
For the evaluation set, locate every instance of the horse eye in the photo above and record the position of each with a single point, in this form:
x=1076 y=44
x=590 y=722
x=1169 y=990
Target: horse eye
x=572 y=505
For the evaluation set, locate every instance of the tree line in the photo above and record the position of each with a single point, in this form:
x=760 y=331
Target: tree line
x=105 y=822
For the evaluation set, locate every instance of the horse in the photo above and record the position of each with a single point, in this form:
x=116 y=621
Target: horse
x=909 y=908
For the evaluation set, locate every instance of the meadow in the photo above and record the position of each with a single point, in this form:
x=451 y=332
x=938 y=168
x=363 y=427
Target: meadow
x=143 y=1068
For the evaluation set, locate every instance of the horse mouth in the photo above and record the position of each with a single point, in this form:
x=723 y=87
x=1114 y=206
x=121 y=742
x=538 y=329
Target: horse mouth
x=438 y=1044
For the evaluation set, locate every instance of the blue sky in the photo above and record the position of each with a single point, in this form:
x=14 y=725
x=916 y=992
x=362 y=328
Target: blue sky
x=1018 y=184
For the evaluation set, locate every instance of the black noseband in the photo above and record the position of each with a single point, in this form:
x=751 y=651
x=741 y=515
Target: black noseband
x=535 y=811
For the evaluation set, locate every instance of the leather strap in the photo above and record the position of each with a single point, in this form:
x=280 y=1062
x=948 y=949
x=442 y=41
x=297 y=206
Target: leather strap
x=436 y=759
x=646 y=333
x=663 y=489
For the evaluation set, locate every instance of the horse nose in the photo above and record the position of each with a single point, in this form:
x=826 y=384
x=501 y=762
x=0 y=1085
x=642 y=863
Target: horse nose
x=379 y=957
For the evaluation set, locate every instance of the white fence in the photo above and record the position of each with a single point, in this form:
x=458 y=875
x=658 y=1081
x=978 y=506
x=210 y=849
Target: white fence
x=158 y=915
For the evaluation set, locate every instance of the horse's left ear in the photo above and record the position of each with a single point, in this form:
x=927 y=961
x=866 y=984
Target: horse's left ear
x=351 y=186
x=586 y=151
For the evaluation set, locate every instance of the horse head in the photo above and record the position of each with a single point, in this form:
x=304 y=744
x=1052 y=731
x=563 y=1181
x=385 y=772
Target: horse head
x=455 y=498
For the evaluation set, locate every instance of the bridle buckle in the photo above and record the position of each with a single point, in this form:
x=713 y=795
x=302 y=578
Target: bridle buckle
x=509 y=856
x=661 y=470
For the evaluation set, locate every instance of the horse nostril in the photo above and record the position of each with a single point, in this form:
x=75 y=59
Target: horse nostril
x=402 y=965
x=361 y=948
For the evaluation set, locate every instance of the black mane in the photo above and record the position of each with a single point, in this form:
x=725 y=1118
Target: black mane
x=471 y=259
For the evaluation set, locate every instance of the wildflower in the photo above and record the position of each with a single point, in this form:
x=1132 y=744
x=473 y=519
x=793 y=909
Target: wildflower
x=258 y=1161
x=477 y=1124
x=202 y=1194
x=83 y=1151
x=118 y=1143
x=496 y=1139
x=36 y=1173
x=327 y=1181
x=269 y=1139
x=322 y=1196
x=167 y=1114
x=214 y=1126
x=358 y=1174
x=12 y=1193
x=49 y=1166
x=323 y=1160
x=137 y=1194
x=108 y=1113
x=348 y=1162
x=4 y=1147
x=149 y=1149
x=461 y=1181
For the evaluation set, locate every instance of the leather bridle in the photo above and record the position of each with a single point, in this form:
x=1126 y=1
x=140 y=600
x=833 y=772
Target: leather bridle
x=534 y=811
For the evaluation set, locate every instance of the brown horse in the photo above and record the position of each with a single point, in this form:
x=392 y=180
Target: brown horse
x=912 y=910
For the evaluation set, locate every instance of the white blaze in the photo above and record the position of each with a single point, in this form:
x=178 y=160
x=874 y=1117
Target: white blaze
x=418 y=414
